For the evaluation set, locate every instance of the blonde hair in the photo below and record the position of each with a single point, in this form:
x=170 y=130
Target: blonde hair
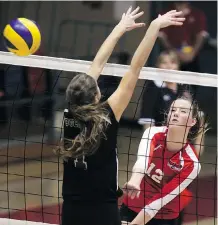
x=172 y=54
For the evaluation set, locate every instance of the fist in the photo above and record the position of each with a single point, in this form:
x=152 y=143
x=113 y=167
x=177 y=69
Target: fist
x=131 y=189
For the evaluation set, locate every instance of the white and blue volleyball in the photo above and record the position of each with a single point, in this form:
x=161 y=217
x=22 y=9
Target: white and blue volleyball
x=22 y=37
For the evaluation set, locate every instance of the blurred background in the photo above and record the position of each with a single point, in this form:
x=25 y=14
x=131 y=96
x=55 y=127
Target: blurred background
x=32 y=99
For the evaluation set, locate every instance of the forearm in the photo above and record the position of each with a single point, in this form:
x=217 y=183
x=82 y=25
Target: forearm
x=105 y=52
x=145 y=47
x=143 y=156
x=137 y=176
x=129 y=80
x=140 y=57
x=198 y=44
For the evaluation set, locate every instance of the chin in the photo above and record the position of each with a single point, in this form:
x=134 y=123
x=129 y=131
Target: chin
x=175 y=125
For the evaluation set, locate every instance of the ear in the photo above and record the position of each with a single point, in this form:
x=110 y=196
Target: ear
x=193 y=122
x=96 y=99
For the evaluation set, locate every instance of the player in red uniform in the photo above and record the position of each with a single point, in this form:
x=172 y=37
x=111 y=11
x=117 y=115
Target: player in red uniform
x=166 y=164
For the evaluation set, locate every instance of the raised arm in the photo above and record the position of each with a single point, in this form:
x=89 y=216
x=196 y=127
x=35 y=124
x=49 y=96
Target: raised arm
x=121 y=97
x=127 y=23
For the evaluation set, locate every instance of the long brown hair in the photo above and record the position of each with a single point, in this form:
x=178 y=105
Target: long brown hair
x=92 y=117
x=202 y=121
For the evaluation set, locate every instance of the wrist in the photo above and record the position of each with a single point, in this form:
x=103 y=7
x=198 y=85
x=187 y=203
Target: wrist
x=119 y=29
x=155 y=23
x=136 y=178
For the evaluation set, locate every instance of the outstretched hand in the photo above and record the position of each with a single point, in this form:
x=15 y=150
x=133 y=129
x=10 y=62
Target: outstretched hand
x=128 y=19
x=171 y=18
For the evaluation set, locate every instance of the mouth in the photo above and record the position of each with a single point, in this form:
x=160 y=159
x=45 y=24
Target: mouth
x=174 y=120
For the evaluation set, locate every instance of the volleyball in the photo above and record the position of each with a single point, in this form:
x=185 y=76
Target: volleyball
x=22 y=37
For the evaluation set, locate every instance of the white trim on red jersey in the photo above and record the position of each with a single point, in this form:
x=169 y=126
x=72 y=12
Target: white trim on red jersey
x=172 y=189
x=144 y=150
x=166 y=183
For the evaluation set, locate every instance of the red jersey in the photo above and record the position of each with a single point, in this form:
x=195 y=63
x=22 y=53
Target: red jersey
x=167 y=175
x=186 y=34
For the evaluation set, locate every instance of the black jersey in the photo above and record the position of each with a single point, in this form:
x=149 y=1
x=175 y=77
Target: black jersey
x=156 y=102
x=94 y=176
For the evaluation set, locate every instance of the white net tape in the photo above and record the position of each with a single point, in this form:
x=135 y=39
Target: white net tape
x=20 y=222
x=203 y=79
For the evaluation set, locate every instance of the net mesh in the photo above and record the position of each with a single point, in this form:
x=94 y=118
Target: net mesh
x=31 y=122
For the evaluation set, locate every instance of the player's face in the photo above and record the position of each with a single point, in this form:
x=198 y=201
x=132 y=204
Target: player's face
x=168 y=63
x=183 y=6
x=180 y=114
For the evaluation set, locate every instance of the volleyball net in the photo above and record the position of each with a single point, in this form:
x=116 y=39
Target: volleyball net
x=31 y=123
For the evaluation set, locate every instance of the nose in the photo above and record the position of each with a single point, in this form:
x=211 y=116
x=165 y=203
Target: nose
x=175 y=113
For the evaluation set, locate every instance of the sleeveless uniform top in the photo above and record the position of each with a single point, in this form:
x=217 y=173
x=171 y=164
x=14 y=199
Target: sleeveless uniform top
x=92 y=177
x=163 y=190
